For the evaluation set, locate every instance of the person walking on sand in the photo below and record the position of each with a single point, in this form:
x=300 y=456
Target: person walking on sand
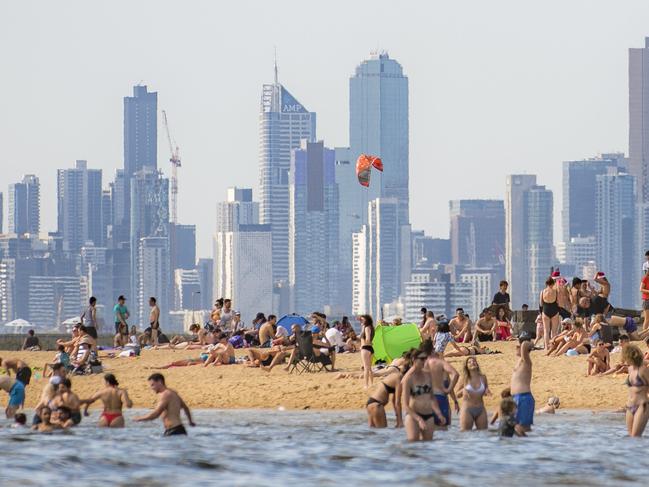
x=154 y=320
x=121 y=314
x=367 y=350
x=169 y=406
x=521 y=383
x=114 y=400
x=89 y=317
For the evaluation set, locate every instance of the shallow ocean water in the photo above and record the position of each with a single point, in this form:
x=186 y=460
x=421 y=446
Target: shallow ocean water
x=265 y=447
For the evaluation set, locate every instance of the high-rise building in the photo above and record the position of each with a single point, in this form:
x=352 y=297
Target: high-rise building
x=639 y=119
x=121 y=230
x=477 y=232
x=153 y=271
x=187 y=289
x=237 y=209
x=313 y=228
x=149 y=218
x=579 y=251
x=428 y=251
x=384 y=246
x=616 y=236
x=140 y=137
x=106 y=217
x=2 y=213
x=25 y=206
x=378 y=125
x=183 y=246
x=424 y=289
x=79 y=196
x=578 y=216
x=243 y=269
x=205 y=269
x=349 y=221
x=54 y=299
x=529 y=254
x=283 y=123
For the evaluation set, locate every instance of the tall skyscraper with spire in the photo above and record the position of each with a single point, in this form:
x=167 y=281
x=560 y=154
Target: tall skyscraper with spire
x=639 y=119
x=283 y=123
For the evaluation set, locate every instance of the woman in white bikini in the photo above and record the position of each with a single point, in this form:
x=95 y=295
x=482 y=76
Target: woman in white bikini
x=473 y=387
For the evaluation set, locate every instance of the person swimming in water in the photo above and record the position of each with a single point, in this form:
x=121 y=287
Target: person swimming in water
x=390 y=385
x=46 y=425
x=473 y=387
x=114 y=399
x=551 y=407
x=418 y=401
x=637 y=409
x=169 y=406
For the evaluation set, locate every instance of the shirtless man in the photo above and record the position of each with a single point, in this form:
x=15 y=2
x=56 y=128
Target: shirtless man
x=267 y=332
x=114 y=399
x=439 y=370
x=169 y=406
x=154 y=320
x=460 y=327
x=521 y=383
x=16 y=391
x=222 y=353
x=485 y=327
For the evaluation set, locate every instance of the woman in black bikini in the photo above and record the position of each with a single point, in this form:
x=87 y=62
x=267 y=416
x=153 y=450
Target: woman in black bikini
x=473 y=388
x=549 y=311
x=367 y=351
x=389 y=386
x=419 y=402
x=637 y=409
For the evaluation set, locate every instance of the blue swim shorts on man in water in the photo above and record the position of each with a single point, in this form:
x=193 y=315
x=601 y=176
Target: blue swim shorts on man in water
x=17 y=395
x=442 y=401
x=524 y=408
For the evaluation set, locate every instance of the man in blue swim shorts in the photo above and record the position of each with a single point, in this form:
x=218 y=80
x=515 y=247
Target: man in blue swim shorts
x=521 y=382
x=16 y=391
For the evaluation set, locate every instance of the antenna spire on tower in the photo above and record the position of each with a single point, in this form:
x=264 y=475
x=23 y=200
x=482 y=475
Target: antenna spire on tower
x=275 y=65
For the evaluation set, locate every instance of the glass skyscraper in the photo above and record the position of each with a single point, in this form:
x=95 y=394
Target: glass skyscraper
x=283 y=123
x=313 y=229
x=639 y=119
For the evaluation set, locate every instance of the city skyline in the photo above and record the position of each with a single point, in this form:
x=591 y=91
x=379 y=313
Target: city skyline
x=93 y=131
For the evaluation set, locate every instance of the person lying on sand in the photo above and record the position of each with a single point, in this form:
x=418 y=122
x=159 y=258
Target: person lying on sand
x=267 y=358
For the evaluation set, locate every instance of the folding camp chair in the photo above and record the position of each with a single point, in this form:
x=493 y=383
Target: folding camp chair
x=305 y=359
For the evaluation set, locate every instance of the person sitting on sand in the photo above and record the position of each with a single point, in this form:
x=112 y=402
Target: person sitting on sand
x=576 y=340
x=505 y=393
x=559 y=340
x=472 y=389
x=31 y=343
x=599 y=360
x=222 y=353
x=61 y=357
x=509 y=425
x=113 y=399
x=637 y=409
x=485 y=327
x=621 y=367
x=379 y=397
x=267 y=332
x=71 y=344
x=443 y=338
x=460 y=327
x=550 y=408
x=503 y=326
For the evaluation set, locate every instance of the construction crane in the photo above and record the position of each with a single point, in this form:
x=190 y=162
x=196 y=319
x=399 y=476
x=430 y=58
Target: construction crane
x=175 y=164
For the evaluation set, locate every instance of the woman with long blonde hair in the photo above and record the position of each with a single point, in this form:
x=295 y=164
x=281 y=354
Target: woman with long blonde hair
x=473 y=387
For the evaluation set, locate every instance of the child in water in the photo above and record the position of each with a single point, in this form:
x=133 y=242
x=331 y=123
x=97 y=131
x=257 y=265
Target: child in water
x=508 y=427
x=503 y=395
x=553 y=404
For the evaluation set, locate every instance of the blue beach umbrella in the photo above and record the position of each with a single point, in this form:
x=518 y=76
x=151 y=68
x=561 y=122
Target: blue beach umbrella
x=288 y=321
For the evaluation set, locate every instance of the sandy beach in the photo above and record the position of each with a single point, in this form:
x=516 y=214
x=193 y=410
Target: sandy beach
x=238 y=386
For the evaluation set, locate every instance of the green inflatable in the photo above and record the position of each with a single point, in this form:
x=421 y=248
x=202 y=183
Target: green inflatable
x=391 y=341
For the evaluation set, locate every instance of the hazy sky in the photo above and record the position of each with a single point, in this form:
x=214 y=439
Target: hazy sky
x=496 y=87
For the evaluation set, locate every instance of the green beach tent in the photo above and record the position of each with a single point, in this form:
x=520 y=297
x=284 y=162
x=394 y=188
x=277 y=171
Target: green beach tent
x=391 y=341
